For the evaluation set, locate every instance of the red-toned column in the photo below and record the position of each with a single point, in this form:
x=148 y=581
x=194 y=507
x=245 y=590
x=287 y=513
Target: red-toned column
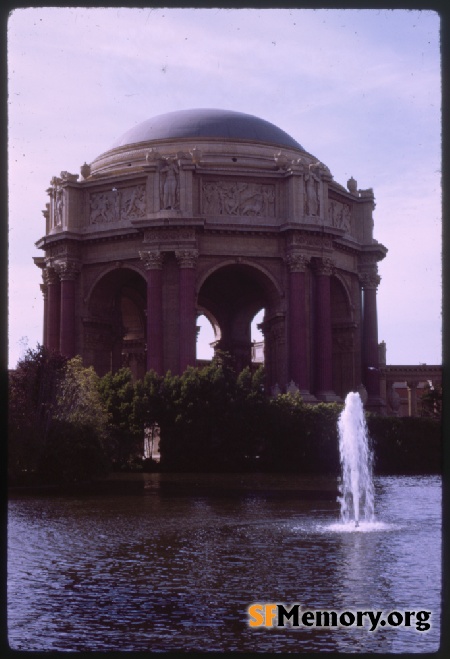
x=323 y=348
x=187 y=261
x=370 y=356
x=53 y=309
x=298 y=348
x=153 y=261
x=45 y=296
x=68 y=272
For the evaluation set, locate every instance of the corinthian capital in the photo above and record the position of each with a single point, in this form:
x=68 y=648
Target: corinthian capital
x=369 y=279
x=324 y=266
x=297 y=262
x=152 y=259
x=187 y=258
x=67 y=269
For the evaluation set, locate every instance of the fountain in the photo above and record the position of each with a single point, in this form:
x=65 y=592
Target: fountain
x=356 y=486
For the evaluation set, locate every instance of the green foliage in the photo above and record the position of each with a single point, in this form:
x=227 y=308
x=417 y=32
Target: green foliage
x=73 y=452
x=406 y=445
x=55 y=409
x=32 y=402
x=65 y=423
x=118 y=396
x=306 y=436
x=78 y=398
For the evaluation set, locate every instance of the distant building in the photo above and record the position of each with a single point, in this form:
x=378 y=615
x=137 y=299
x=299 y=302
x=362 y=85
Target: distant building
x=223 y=214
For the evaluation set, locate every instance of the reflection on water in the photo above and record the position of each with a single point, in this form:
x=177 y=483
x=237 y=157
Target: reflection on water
x=164 y=571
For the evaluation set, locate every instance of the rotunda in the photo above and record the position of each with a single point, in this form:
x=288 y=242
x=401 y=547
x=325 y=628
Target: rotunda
x=223 y=214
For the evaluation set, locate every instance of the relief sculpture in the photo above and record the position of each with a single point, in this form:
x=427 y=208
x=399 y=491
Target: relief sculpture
x=133 y=203
x=117 y=205
x=231 y=198
x=339 y=215
x=104 y=207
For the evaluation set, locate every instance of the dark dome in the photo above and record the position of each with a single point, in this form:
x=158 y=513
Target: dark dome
x=224 y=124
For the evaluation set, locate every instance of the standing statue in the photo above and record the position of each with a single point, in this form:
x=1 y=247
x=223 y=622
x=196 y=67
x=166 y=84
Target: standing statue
x=312 y=196
x=58 y=207
x=170 y=184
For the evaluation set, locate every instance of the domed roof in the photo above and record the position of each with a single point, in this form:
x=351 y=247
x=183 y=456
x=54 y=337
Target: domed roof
x=224 y=124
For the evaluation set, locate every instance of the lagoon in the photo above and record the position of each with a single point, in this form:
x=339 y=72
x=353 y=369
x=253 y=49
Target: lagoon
x=174 y=563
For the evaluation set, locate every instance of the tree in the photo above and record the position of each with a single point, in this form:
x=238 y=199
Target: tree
x=57 y=422
x=126 y=435
x=32 y=395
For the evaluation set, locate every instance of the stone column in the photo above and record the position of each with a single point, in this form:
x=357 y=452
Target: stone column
x=53 y=309
x=323 y=269
x=153 y=261
x=393 y=399
x=68 y=271
x=44 y=291
x=370 y=352
x=412 y=386
x=187 y=260
x=297 y=331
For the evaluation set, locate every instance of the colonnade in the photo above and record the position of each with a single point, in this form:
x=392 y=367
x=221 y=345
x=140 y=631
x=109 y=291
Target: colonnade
x=153 y=262
x=297 y=331
x=59 y=307
x=60 y=317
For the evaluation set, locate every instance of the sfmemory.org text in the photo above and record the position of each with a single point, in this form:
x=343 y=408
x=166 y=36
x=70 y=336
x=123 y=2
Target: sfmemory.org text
x=270 y=614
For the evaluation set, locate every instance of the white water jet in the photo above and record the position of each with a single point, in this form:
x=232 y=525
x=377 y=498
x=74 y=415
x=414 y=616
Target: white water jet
x=356 y=486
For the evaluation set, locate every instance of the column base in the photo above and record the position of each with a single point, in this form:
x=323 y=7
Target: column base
x=328 y=397
x=307 y=396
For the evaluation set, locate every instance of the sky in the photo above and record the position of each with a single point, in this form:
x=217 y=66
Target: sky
x=359 y=89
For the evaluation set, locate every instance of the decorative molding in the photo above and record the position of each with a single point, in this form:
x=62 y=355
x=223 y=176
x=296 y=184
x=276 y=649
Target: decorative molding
x=323 y=266
x=309 y=240
x=369 y=280
x=169 y=235
x=187 y=258
x=50 y=276
x=297 y=262
x=152 y=259
x=67 y=269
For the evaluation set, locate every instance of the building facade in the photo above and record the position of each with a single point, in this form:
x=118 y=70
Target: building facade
x=223 y=214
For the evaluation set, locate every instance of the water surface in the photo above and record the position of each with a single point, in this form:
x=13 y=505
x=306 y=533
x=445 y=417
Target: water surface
x=163 y=570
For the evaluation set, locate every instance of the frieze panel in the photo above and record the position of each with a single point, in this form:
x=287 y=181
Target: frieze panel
x=238 y=198
x=65 y=250
x=117 y=205
x=311 y=240
x=168 y=235
x=339 y=215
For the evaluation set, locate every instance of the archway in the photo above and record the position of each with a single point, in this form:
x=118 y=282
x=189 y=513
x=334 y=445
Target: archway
x=343 y=339
x=115 y=329
x=233 y=295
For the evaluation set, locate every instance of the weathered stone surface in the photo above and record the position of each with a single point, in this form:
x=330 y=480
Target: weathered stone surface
x=225 y=220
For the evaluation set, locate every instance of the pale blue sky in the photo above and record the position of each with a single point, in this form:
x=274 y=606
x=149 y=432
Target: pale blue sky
x=359 y=89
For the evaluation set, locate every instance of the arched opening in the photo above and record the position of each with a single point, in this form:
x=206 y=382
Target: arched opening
x=115 y=328
x=343 y=339
x=208 y=333
x=257 y=338
x=240 y=297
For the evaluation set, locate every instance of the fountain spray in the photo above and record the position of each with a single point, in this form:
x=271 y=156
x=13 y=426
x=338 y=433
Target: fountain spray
x=356 y=486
